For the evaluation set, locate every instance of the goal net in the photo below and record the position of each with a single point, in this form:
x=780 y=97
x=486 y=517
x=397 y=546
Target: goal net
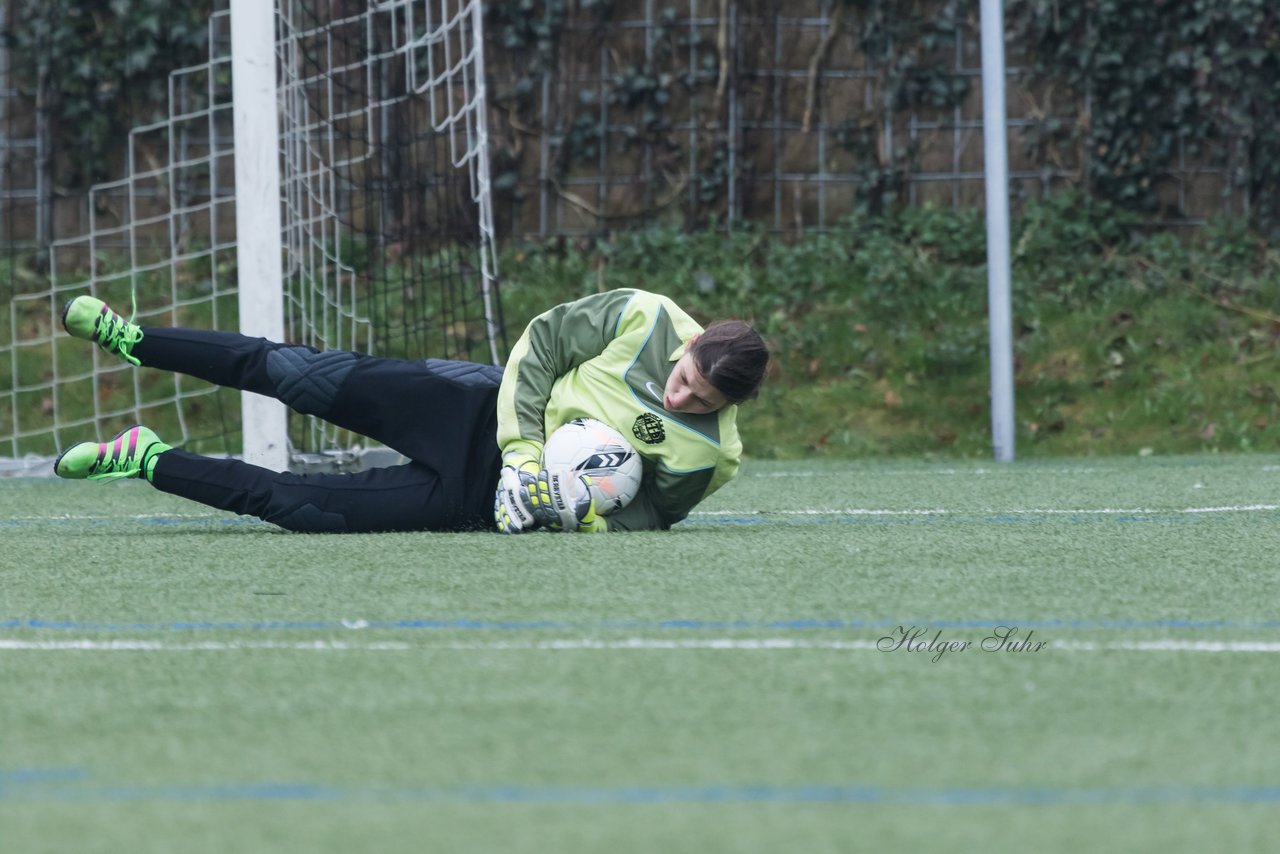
x=387 y=239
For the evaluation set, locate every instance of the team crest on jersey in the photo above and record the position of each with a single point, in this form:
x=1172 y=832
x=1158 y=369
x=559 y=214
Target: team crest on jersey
x=648 y=429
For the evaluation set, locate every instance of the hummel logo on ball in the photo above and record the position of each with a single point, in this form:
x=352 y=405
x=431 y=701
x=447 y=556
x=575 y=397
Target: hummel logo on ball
x=601 y=461
x=648 y=429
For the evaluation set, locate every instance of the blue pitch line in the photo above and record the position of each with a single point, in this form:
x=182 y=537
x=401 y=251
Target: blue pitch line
x=466 y=624
x=56 y=787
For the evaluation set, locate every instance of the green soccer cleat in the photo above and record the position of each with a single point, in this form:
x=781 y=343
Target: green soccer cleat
x=132 y=453
x=93 y=320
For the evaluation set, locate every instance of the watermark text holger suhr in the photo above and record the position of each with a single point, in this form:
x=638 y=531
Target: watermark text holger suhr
x=916 y=639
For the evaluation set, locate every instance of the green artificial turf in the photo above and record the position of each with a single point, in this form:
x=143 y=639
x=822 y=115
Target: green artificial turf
x=715 y=688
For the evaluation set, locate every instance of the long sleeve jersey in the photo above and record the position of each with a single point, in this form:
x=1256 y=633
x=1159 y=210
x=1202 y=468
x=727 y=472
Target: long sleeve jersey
x=608 y=356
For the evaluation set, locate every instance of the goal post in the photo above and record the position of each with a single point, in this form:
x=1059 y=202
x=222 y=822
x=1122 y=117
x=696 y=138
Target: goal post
x=999 y=276
x=264 y=421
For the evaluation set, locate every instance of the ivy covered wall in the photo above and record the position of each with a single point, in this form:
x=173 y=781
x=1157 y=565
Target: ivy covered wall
x=609 y=113
x=791 y=114
x=80 y=75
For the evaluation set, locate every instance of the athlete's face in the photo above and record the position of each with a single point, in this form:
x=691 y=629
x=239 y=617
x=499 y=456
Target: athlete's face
x=688 y=391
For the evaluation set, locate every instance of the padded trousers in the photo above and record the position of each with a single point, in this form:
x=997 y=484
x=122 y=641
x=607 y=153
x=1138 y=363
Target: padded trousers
x=441 y=415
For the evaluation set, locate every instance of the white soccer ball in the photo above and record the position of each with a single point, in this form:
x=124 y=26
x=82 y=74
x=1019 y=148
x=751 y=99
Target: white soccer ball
x=591 y=447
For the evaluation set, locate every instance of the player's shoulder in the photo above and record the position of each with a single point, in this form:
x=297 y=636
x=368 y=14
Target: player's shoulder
x=648 y=302
x=643 y=310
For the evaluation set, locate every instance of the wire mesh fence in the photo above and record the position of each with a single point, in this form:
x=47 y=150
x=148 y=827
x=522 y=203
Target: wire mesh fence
x=631 y=112
x=789 y=116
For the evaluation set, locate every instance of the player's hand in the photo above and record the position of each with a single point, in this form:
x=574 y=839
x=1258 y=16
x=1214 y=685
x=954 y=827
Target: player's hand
x=516 y=496
x=565 y=503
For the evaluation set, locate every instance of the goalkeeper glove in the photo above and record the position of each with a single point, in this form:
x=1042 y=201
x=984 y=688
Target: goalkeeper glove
x=516 y=498
x=565 y=503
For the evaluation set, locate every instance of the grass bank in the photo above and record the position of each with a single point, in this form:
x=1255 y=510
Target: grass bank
x=1127 y=342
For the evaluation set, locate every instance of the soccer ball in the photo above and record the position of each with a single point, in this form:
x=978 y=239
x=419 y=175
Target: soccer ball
x=591 y=447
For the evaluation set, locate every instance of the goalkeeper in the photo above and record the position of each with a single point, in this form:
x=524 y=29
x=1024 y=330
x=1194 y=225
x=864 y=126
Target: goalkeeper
x=629 y=358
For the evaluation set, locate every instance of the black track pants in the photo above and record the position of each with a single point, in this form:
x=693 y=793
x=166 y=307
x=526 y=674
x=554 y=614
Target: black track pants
x=441 y=415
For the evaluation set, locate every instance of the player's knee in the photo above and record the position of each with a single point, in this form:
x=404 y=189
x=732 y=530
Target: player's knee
x=306 y=380
x=466 y=374
x=309 y=519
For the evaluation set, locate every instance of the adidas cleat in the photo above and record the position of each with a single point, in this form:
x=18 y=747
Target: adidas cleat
x=132 y=453
x=93 y=320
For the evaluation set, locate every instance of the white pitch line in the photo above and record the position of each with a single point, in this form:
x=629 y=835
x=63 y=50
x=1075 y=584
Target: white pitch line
x=1243 y=508
x=861 y=511
x=657 y=643
x=869 y=512
x=86 y=645
x=570 y=644
x=12 y=644
x=1168 y=646
x=1041 y=511
x=1152 y=511
x=104 y=517
x=833 y=511
x=943 y=472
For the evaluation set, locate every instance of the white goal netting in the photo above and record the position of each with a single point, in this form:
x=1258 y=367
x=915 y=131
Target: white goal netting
x=387 y=243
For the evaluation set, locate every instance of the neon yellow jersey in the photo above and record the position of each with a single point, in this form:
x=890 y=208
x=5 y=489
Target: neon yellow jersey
x=608 y=356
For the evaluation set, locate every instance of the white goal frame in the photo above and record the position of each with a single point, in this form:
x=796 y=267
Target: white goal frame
x=258 y=220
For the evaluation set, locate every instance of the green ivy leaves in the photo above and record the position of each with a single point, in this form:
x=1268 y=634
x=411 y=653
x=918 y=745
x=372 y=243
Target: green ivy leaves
x=1157 y=83
x=95 y=70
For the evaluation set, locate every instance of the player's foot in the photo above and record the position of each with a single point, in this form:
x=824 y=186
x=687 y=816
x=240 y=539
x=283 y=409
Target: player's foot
x=132 y=453
x=93 y=320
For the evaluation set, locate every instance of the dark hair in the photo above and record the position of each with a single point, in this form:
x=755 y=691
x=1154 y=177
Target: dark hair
x=732 y=357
